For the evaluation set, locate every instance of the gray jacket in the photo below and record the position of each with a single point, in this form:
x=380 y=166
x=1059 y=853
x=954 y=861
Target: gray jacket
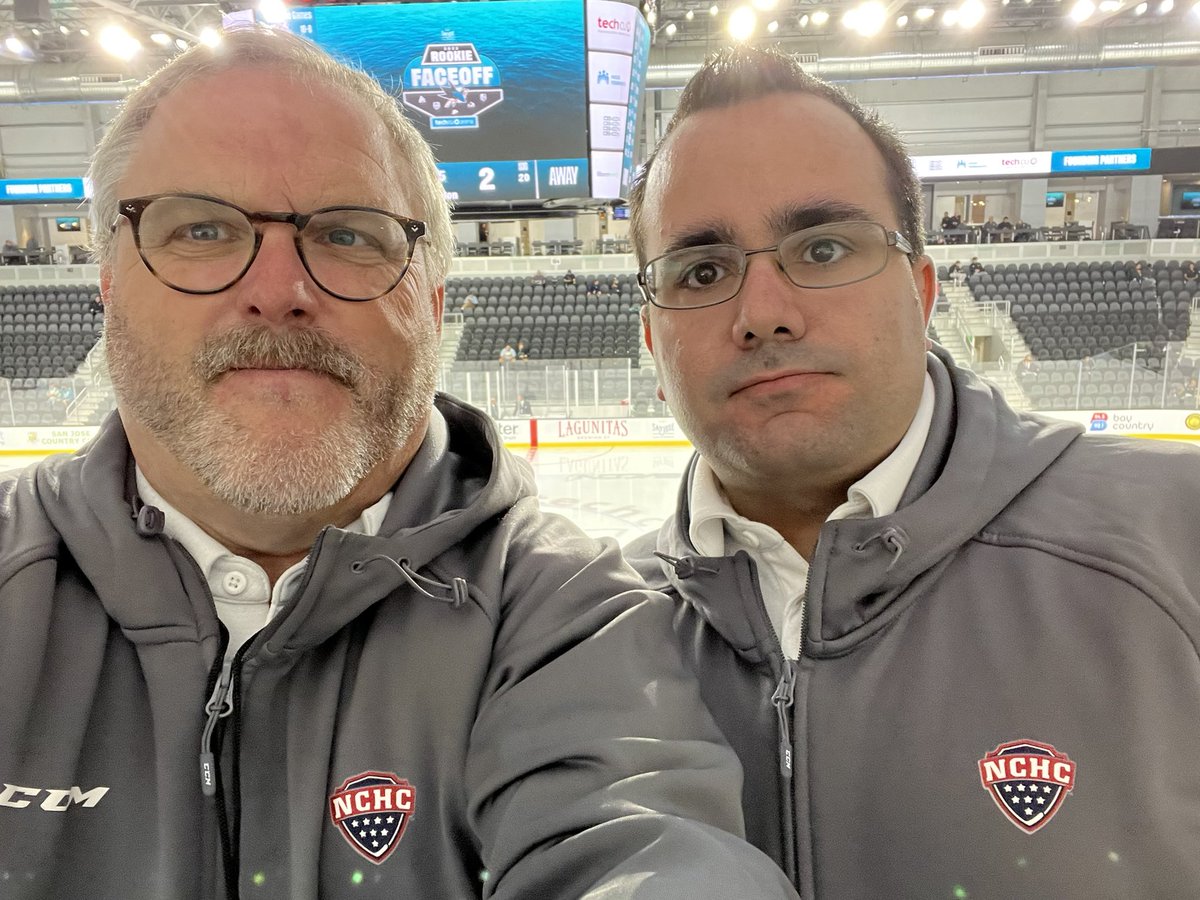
x=1036 y=589
x=479 y=700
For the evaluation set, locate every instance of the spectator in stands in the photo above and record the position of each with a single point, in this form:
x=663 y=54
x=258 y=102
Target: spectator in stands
x=1005 y=225
x=507 y=353
x=95 y=305
x=469 y=303
x=522 y=350
x=1023 y=232
x=976 y=266
x=873 y=545
x=593 y=287
x=290 y=585
x=1138 y=276
x=614 y=285
x=956 y=272
x=569 y=278
x=538 y=278
x=1027 y=370
x=522 y=407
x=989 y=229
x=947 y=220
x=1189 y=271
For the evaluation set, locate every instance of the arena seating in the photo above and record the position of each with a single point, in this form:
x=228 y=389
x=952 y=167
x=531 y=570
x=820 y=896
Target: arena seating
x=1071 y=310
x=46 y=331
x=556 y=320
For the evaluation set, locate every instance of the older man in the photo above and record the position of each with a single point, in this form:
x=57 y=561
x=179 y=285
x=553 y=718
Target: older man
x=289 y=627
x=955 y=647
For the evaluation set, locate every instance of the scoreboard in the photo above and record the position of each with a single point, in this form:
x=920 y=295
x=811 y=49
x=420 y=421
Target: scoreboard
x=523 y=101
x=515 y=180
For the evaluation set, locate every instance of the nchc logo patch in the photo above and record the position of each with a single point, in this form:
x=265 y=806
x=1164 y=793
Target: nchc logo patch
x=372 y=810
x=1028 y=780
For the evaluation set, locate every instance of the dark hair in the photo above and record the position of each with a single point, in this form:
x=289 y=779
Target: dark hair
x=741 y=74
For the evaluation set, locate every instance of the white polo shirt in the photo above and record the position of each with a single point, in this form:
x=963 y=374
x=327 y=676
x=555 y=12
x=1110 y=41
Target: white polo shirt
x=718 y=530
x=240 y=587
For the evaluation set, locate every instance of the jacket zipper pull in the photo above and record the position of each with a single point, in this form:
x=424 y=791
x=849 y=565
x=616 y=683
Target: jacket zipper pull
x=782 y=700
x=219 y=705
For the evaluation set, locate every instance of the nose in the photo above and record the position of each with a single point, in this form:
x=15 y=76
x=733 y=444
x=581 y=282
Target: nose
x=767 y=305
x=277 y=288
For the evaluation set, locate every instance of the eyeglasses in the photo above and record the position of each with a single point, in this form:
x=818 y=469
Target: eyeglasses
x=825 y=256
x=204 y=245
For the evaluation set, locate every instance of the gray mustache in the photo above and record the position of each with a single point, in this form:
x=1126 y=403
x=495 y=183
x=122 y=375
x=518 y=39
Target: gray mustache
x=252 y=347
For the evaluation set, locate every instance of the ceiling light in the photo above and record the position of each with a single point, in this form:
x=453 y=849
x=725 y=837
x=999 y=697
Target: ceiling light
x=867 y=18
x=36 y=32
x=971 y=13
x=1140 y=9
x=671 y=29
x=804 y=21
x=764 y=5
x=924 y=14
x=742 y=22
x=1004 y=2
x=210 y=37
x=902 y=22
x=85 y=32
x=64 y=29
x=1196 y=10
x=181 y=43
x=820 y=17
x=772 y=26
x=713 y=10
x=17 y=47
x=273 y=12
x=652 y=17
x=1082 y=10
x=690 y=14
x=1165 y=7
x=118 y=42
x=161 y=38
x=950 y=18
x=1109 y=6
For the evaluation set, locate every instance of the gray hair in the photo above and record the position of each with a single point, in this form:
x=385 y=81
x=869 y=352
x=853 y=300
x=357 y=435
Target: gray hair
x=279 y=51
x=742 y=74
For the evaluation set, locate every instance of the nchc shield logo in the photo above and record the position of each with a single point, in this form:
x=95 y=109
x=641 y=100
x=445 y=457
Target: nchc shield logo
x=452 y=84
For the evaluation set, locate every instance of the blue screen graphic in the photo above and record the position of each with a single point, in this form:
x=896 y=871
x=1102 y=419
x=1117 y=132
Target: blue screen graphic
x=499 y=89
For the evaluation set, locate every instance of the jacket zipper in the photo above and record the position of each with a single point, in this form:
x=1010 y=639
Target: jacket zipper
x=219 y=706
x=783 y=698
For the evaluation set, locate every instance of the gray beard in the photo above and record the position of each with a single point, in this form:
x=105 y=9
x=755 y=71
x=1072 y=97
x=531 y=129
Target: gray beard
x=288 y=471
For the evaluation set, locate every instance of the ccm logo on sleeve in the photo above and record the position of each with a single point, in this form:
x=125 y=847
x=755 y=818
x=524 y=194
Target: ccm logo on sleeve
x=55 y=799
x=372 y=810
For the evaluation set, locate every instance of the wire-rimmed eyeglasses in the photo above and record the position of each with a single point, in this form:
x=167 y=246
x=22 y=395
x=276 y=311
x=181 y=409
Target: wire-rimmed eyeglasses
x=204 y=245
x=825 y=256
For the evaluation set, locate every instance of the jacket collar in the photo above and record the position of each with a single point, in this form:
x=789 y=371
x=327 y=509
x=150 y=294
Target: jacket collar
x=980 y=454
x=460 y=477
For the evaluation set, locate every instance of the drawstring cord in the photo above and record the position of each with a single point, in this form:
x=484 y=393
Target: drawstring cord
x=457 y=588
x=893 y=538
x=686 y=566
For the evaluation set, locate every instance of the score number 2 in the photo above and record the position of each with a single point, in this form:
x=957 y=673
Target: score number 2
x=486 y=176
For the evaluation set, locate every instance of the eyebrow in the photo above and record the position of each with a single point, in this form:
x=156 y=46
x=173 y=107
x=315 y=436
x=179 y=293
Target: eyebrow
x=780 y=222
x=796 y=217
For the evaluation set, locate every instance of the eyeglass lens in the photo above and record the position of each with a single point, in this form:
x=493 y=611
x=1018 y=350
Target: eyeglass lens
x=199 y=245
x=822 y=257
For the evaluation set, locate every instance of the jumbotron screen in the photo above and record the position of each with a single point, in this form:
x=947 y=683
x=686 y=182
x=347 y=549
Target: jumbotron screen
x=522 y=100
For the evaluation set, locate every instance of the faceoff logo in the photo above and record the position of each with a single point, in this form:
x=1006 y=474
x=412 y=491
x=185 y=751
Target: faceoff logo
x=1028 y=781
x=372 y=810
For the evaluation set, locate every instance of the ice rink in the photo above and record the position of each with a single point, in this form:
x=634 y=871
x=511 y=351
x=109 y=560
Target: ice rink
x=618 y=492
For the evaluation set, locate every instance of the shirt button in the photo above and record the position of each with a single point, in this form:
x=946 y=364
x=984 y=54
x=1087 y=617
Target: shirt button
x=234 y=583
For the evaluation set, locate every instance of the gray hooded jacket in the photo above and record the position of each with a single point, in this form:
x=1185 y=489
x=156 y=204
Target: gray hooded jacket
x=998 y=693
x=479 y=687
